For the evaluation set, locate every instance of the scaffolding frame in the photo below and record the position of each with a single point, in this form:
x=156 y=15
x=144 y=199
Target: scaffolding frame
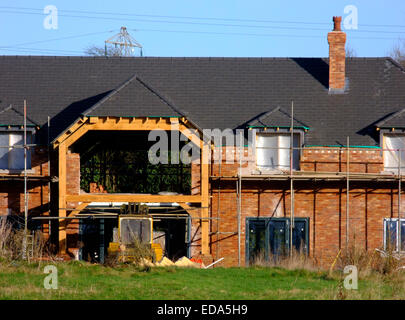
x=292 y=176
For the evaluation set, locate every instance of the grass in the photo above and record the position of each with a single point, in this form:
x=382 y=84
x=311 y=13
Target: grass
x=80 y=280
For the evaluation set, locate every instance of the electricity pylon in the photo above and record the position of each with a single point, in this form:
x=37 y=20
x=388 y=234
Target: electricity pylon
x=124 y=42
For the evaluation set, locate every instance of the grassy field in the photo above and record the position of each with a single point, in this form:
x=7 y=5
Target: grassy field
x=79 y=280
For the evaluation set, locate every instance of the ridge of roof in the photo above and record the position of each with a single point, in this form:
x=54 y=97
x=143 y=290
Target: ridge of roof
x=11 y=108
x=208 y=58
x=114 y=92
x=261 y=118
x=389 y=118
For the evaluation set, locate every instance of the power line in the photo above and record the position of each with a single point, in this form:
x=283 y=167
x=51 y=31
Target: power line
x=201 y=18
x=257 y=34
x=18 y=47
x=39 y=50
x=175 y=17
x=57 y=39
x=207 y=24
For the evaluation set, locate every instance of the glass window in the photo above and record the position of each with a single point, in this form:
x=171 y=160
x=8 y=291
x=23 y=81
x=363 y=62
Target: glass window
x=390 y=234
x=269 y=238
x=273 y=151
x=132 y=228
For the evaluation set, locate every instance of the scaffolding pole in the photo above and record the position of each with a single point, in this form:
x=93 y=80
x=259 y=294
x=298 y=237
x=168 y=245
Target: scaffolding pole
x=49 y=173
x=291 y=179
x=399 y=244
x=219 y=201
x=25 y=185
x=240 y=196
x=347 y=191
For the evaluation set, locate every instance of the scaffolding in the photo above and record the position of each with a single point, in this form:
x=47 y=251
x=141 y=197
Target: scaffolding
x=315 y=176
x=9 y=175
x=290 y=175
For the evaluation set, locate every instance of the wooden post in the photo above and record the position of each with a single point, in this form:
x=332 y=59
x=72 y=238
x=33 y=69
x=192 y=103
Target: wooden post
x=62 y=197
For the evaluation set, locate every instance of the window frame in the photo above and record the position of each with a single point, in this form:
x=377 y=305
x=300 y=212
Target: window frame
x=267 y=220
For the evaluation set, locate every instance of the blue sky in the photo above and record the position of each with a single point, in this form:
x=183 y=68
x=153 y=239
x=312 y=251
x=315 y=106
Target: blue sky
x=216 y=28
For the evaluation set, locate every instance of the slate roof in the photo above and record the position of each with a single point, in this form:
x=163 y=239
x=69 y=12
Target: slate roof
x=11 y=117
x=133 y=98
x=396 y=120
x=276 y=118
x=211 y=92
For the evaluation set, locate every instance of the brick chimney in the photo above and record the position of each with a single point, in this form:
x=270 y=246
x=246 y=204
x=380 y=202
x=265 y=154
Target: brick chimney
x=337 y=56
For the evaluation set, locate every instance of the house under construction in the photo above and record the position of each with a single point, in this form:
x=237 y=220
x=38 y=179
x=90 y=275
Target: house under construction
x=317 y=147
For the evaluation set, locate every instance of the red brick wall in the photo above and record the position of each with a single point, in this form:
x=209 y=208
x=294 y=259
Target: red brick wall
x=12 y=191
x=72 y=187
x=363 y=160
x=337 y=56
x=324 y=203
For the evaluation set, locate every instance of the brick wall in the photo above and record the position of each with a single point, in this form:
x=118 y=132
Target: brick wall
x=337 y=56
x=72 y=187
x=12 y=191
x=324 y=203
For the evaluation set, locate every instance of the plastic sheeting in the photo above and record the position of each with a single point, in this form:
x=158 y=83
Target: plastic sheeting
x=13 y=158
x=392 y=155
x=16 y=155
x=273 y=151
x=4 y=141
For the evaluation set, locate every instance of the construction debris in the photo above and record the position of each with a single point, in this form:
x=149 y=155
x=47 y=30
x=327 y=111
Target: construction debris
x=165 y=263
x=185 y=262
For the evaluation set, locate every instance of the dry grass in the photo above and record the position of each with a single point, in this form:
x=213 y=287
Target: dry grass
x=382 y=268
x=136 y=253
x=371 y=261
x=297 y=261
x=12 y=243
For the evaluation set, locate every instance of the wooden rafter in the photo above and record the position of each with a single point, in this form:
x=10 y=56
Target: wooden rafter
x=78 y=209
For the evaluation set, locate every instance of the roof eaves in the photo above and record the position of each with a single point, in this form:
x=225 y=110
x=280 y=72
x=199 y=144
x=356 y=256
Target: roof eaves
x=393 y=116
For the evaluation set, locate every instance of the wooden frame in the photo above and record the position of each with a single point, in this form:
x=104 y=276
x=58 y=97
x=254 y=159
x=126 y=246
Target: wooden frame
x=85 y=124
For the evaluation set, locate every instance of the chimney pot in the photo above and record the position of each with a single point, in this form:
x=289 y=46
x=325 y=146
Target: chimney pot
x=337 y=23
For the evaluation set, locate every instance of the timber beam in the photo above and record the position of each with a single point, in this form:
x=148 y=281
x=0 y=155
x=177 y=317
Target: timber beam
x=119 y=197
x=85 y=124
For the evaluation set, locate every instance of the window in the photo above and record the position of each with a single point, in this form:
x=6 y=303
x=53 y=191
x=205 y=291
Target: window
x=391 y=240
x=273 y=151
x=270 y=237
x=392 y=154
x=13 y=158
